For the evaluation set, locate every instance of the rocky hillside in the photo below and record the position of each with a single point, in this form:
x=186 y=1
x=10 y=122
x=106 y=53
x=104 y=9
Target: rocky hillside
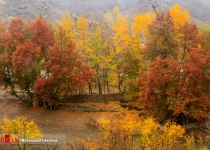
x=94 y=9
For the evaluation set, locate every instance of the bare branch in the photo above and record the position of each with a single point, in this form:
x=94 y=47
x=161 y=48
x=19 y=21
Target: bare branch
x=156 y=12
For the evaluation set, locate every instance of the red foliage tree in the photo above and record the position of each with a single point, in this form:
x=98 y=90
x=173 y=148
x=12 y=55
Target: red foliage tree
x=15 y=30
x=194 y=95
x=11 y=37
x=26 y=69
x=24 y=48
x=159 y=89
x=65 y=73
x=173 y=88
x=42 y=34
x=2 y=52
x=189 y=38
x=25 y=57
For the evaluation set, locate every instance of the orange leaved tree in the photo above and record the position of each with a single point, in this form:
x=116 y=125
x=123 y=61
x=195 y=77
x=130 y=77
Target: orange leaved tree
x=64 y=74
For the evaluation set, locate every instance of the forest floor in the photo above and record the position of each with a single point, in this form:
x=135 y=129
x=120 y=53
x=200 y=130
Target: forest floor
x=76 y=121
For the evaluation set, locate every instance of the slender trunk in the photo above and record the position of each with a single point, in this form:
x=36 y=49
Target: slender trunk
x=99 y=87
x=183 y=56
x=99 y=84
x=104 y=76
x=107 y=82
x=107 y=86
x=119 y=86
x=90 y=89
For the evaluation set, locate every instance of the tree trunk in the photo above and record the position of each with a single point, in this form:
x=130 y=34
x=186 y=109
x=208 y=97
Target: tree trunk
x=90 y=89
x=99 y=84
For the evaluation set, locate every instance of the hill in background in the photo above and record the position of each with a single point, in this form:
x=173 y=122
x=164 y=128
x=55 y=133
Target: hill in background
x=53 y=10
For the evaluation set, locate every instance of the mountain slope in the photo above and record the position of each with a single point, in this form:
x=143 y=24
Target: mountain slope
x=94 y=9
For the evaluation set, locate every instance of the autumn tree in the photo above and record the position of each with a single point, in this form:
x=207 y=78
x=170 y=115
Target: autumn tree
x=3 y=43
x=28 y=58
x=110 y=63
x=15 y=30
x=65 y=31
x=12 y=37
x=176 y=78
x=65 y=73
x=159 y=86
x=205 y=31
x=68 y=24
x=122 y=36
x=33 y=64
x=179 y=16
x=83 y=43
x=132 y=65
x=122 y=41
x=42 y=35
x=132 y=61
x=26 y=69
x=189 y=39
x=140 y=26
x=20 y=128
x=83 y=38
x=172 y=88
x=24 y=47
x=96 y=59
x=161 y=38
x=127 y=42
x=194 y=93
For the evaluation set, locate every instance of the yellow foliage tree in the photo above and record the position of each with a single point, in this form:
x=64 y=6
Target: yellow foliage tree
x=65 y=31
x=150 y=132
x=96 y=56
x=153 y=137
x=110 y=63
x=69 y=26
x=122 y=37
x=109 y=56
x=21 y=129
x=127 y=42
x=118 y=133
x=171 y=133
x=179 y=17
x=141 y=23
x=19 y=125
x=83 y=38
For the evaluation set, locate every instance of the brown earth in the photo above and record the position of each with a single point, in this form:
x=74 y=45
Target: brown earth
x=74 y=120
